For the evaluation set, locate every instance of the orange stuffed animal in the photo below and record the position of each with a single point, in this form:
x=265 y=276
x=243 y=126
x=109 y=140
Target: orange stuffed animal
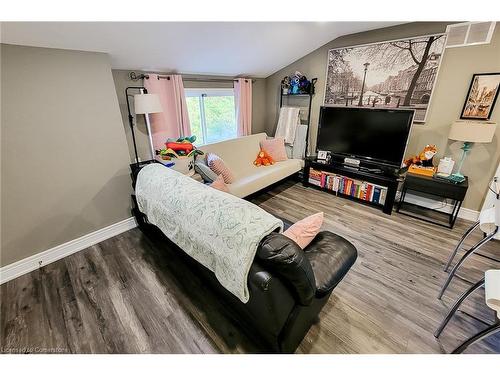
x=263 y=158
x=424 y=158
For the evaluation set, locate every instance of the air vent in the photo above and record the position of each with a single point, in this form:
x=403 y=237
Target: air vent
x=469 y=34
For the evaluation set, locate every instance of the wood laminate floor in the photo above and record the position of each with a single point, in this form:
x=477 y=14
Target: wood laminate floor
x=129 y=295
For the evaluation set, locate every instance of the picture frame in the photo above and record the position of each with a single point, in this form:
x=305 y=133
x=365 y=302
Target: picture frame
x=322 y=155
x=481 y=96
x=399 y=73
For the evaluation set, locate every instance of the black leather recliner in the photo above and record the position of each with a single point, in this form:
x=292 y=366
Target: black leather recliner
x=288 y=286
x=308 y=276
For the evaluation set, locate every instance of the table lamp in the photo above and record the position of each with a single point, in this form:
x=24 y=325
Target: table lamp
x=469 y=132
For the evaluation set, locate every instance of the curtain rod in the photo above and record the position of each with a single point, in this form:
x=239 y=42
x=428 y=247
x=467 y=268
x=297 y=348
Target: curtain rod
x=134 y=77
x=194 y=79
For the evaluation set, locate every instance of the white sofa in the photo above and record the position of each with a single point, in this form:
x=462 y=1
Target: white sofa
x=239 y=154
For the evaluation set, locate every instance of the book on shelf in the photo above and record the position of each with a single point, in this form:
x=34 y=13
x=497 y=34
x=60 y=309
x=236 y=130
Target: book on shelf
x=355 y=188
x=315 y=177
x=383 y=193
x=369 y=192
x=336 y=183
x=376 y=194
x=362 y=191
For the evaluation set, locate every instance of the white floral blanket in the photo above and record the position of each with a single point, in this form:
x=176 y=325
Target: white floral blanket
x=217 y=229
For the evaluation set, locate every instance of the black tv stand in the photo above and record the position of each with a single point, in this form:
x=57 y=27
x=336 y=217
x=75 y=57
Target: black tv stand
x=376 y=176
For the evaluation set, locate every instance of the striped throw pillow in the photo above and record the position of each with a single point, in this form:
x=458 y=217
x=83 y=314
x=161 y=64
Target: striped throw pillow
x=217 y=165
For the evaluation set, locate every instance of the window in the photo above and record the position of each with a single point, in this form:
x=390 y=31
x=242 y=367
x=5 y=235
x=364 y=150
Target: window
x=212 y=114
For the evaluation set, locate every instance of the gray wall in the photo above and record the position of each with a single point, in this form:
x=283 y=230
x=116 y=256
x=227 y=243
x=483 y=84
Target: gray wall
x=457 y=67
x=121 y=79
x=64 y=154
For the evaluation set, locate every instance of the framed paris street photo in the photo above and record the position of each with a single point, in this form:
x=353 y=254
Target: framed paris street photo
x=481 y=98
x=393 y=74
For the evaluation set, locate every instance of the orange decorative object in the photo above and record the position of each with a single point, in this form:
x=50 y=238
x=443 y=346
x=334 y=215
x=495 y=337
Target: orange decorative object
x=180 y=146
x=424 y=158
x=263 y=158
x=423 y=171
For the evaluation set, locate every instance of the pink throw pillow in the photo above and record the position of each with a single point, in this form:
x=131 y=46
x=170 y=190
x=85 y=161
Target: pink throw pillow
x=304 y=231
x=275 y=148
x=219 y=184
x=217 y=165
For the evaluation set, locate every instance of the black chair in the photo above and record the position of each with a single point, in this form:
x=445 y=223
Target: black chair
x=487 y=237
x=488 y=331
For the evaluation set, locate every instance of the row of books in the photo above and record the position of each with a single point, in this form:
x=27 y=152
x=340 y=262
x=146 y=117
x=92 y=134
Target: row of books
x=348 y=186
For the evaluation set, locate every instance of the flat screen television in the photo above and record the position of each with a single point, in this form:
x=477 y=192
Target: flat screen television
x=376 y=135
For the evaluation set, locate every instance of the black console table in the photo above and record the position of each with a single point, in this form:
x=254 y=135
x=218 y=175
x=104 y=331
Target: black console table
x=385 y=179
x=435 y=187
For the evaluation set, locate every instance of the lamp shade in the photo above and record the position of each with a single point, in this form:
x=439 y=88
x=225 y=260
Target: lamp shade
x=147 y=103
x=470 y=131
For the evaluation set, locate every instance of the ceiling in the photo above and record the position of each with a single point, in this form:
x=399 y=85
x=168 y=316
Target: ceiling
x=255 y=49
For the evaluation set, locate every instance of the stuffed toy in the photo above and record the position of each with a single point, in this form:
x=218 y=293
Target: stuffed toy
x=304 y=85
x=179 y=147
x=296 y=84
x=263 y=158
x=285 y=85
x=167 y=154
x=190 y=139
x=424 y=158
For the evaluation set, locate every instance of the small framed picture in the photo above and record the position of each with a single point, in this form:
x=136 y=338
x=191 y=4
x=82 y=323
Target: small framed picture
x=322 y=155
x=481 y=98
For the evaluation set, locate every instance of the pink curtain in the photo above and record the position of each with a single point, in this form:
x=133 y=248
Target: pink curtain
x=243 y=103
x=173 y=122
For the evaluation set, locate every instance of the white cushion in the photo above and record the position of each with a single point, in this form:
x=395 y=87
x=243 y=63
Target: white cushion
x=239 y=154
x=260 y=177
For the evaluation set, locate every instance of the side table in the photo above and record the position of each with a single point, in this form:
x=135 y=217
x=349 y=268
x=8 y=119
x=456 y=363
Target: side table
x=438 y=188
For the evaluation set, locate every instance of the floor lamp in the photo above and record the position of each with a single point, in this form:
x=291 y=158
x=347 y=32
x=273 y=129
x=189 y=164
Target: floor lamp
x=144 y=104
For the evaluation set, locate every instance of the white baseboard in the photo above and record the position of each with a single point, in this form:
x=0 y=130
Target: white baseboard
x=23 y=266
x=442 y=206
